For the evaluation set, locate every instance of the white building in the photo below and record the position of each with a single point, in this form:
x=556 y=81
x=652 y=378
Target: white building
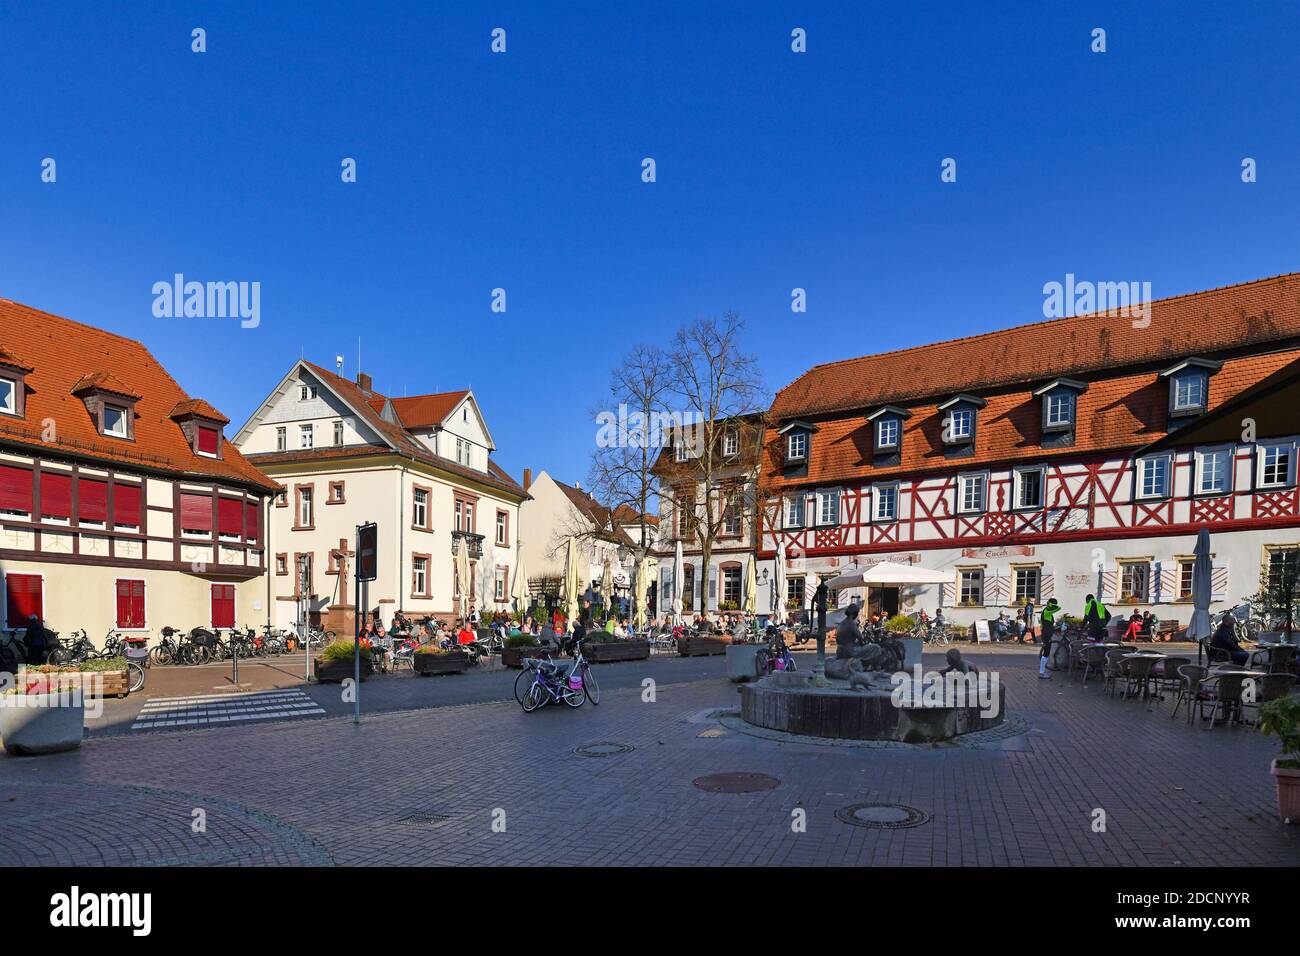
x=419 y=467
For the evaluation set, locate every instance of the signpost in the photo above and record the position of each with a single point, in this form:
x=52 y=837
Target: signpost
x=304 y=628
x=367 y=568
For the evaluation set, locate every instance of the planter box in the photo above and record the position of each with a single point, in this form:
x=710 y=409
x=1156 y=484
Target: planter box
x=742 y=661
x=702 y=646
x=1288 y=793
x=453 y=662
x=335 y=672
x=92 y=683
x=514 y=656
x=40 y=723
x=616 y=651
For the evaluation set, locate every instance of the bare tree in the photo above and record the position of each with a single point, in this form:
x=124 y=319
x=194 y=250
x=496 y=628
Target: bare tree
x=720 y=386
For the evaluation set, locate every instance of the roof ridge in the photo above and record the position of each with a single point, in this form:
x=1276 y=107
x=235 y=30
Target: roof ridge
x=81 y=325
x=1283 y=276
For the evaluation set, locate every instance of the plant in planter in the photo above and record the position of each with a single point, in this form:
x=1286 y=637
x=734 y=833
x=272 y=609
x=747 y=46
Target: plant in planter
x=516 y=648
x=900 y=624
x=335 y=661
x=41 y=714
x=432 y=659
x=1281 y=719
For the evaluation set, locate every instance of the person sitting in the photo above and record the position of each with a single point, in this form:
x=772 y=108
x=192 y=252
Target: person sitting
x=1224 y=644
x=464 y=635
x=619 y=629
x=1150 y=626
x=1134 y=629
x=1002 y=627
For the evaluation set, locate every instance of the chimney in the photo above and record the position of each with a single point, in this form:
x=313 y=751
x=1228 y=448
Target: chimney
x=528 y=478
x=363 y=381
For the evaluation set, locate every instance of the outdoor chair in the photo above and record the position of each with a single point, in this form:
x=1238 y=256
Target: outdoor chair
x=1094 y=661
x=1166 y=673
x=1226 y=689
x=1076 y=655
x=1267 y=688
x=1281 y=659
x=1114 y=668
x=1138 y=677
x=1191 y=689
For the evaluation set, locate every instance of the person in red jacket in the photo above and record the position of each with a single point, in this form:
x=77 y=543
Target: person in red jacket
x=464 y=635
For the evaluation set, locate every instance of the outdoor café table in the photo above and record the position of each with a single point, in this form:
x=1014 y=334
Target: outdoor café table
x=1150 y=655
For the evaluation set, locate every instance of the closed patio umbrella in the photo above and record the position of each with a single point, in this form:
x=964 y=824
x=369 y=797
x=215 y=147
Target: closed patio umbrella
x=779 y=588
x=751 y=588
x=462 y=570
x=571 y=581
x=520 y=590
x=678 y=573
x=1201 y=626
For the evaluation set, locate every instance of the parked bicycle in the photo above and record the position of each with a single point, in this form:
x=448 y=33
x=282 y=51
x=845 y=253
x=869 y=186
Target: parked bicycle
x=551 y=683
x=80 y=649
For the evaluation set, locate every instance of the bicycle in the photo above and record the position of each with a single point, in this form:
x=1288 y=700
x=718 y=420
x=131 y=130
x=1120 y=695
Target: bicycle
x=13 y=652
x=167 y=650
x=81 y=649
x=551 y=684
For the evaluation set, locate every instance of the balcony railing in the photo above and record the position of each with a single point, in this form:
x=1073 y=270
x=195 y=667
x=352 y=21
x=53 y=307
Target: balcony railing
x=473 y=541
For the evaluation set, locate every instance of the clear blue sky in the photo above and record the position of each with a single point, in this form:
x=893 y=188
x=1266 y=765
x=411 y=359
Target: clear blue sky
x=522 y=171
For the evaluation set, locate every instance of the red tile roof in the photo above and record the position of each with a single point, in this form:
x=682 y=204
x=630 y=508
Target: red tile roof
x=1230 y=317
x=104 y=382
x=425 y=411
x=63 y=356
x=595 y=512
x=1124 y=407
x=197 y=406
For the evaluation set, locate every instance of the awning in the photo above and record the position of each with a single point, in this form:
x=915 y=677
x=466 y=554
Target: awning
x=887 y=574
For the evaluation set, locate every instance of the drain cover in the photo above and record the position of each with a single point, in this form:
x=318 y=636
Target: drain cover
x=882 y=816
x=424 y=819
x=603 y=749
x=736 y=782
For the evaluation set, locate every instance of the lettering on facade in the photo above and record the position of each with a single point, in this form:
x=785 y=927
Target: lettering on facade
x=1017 y=551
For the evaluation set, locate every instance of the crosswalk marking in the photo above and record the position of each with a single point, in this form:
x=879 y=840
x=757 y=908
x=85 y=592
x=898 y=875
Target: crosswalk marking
x=210 y=709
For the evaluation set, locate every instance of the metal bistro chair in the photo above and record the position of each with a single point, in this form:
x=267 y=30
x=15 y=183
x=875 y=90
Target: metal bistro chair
x=1281 y=658
x=1226 y=689
x=1114 y=667
x=1191 y=689
x=1076 y=655
x=1267 y=688
x=1094 y=661
x=1166 y=673
x=1139 y=677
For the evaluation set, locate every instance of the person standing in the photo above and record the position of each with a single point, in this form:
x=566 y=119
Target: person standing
x=1048 y=620
x=1095 y=617
x=1029 y=623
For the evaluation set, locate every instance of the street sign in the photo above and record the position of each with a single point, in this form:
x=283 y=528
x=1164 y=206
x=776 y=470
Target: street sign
x=367 y=552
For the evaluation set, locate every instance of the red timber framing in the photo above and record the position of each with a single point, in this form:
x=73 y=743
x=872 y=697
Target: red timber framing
x=1084 y=499
x=105 y=503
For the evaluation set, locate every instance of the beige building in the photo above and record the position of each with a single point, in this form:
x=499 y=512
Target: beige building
x=419 y=467
x=122 y=505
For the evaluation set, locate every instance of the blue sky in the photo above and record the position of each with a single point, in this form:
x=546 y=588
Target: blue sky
x=775 y=170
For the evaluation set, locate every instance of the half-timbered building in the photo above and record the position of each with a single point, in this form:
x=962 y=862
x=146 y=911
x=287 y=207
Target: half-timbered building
x=1046 y=460
x=122 y=504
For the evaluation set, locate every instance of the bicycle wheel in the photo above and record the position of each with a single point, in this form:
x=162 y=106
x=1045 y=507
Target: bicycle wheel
x=135 y=676
x=522 y=683
x=574 y=698
x=57 y=656
x=589 y=685
x=534 y=697
x=161 y=655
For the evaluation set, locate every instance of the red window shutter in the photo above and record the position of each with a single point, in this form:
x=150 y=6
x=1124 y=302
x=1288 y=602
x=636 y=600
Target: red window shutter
x=92 y=500
x=130 y=604
x=196 y=512
x=253 y=518
x=23 y=598
x=223 y=605
x=209 y=439
x=229 y=515
x=126 y=505
x=56 y=495
x=15 y=489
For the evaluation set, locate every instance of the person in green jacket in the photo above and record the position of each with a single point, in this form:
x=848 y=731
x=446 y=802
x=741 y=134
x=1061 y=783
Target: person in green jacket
x=1096 y=617
x=1047 y=623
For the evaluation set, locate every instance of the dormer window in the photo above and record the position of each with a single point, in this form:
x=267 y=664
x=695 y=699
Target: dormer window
x=12 y=376
x=8 y=396
x=797 y=436
x=796 y=446
x=1189 y=386
x=115 y=421
x=887 y=434
x=1060 y=406
x=730 y=443
x=202 y=425
x=679 y=451
x=959 y=421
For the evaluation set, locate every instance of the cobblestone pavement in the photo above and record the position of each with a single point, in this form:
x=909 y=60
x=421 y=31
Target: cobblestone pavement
x=425 y=787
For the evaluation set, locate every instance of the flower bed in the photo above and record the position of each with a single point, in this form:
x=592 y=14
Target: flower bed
x=335 y=663
x=99 y=677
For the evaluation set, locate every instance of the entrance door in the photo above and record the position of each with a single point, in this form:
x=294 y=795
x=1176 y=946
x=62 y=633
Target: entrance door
x=889 y=601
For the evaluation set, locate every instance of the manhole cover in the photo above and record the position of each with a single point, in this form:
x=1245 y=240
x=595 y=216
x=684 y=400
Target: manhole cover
x=424 y=819
x=604 y=749
x=736 y=782
x=882 y=816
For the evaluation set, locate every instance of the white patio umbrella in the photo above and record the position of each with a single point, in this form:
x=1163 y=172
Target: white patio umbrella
x=1201 y=626
x=779 y=588
x=571 y=581
x=639 y=589
x=678 y=573
x=520 y=590
x=887 y=574
x=607 y=584
x=462 y=569
x=751 y=587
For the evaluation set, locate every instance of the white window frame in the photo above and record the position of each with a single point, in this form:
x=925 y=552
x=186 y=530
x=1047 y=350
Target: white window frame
x=1139 y=478
x=801 y=439
x=895 y=426
x=9 y=403
x=306 y=393
x=499 y=584
x=502 y=520
x=878 y=496
x=730 y=442
x=680 y=451
x=420 y=575
x=1202 y=381
x=1144 y=597
x=1261 y=456
x=1016 y=572
x=306 y=507
x=828 y=500
x=125 y=430
x=961 y=588
x=982 y=477
x=1200 y=456
x=1066 y=398
x=419 y=508
x=306 y=436
x=966 y=415
x=281 y=438
x=338 y=433
x=792 y=502
x=1018 y=484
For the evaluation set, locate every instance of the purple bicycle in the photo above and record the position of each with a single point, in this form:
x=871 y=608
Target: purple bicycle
x=551 y=684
